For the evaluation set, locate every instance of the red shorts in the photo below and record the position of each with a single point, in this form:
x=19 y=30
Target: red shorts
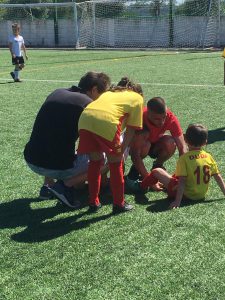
x=172 y=187
x=91 y=142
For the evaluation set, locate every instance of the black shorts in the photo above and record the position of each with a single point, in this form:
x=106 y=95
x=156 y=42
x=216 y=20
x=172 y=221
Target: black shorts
x=18 y=60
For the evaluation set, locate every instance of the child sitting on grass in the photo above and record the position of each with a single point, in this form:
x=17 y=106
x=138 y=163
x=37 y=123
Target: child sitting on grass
x=193 y=171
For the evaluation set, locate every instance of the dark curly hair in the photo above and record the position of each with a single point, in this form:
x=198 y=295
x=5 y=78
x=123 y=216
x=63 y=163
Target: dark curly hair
x=126 y=84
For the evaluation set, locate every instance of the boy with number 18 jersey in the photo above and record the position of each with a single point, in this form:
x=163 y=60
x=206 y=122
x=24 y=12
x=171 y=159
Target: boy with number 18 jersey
x=193 y=171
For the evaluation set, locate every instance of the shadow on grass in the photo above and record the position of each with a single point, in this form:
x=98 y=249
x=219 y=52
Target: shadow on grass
x=7 y=82
x=162 y=205
x=216 y=135
x=140 y=198
x=40 y=224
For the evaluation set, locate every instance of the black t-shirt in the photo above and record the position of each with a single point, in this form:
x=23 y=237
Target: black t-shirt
x=55 y=131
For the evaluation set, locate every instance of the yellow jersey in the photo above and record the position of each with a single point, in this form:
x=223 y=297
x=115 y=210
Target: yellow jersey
x=197 y=166
x=111 y=113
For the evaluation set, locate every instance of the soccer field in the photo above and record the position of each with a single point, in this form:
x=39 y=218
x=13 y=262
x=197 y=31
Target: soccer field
x=50 y=252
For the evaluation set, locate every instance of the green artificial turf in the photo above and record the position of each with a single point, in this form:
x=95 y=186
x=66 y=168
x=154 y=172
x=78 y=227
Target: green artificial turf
x=50 y=252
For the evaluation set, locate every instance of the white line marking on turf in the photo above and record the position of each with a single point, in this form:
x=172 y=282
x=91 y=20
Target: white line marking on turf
x=143 y=83
x=40 y=80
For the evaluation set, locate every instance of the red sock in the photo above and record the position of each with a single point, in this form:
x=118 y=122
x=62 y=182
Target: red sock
x=117 y=182
x=148 y=181
x=94 y=181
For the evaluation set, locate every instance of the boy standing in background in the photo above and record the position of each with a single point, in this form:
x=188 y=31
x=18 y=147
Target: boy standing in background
x=16 y=43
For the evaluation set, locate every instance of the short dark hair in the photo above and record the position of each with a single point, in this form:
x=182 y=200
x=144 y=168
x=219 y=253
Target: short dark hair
x=196 y=135
x=157 y=105
x=91 y=79
x=126 y=84
x=15 y=25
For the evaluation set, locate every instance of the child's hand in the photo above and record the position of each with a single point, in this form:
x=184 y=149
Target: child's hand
x=174 y=204
x=158 y=187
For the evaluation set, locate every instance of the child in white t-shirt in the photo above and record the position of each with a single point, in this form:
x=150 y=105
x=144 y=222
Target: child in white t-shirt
x=16 y=44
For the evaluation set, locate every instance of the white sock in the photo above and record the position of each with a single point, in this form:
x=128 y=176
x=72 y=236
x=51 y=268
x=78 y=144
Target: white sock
x=16 y=74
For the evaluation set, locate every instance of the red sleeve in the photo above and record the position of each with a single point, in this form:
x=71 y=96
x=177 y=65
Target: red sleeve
x=173 y=124
x=145 y=117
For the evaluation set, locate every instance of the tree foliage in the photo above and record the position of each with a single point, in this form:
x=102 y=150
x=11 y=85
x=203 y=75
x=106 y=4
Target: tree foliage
x=108 y=10
x=198 y=7
x=104 y=9
x=111 y=9
x=155 y=7
x=35 y=12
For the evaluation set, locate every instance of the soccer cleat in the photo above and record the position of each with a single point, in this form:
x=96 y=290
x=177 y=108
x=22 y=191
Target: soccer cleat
x=17 y=80
x=134 y=186
x=12 y=75
x=121 y=209
x=45 y=193
x=64 y=194
x=133 y=174
x=94 y=208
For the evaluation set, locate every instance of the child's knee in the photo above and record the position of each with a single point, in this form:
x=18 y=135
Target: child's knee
x=155 y=172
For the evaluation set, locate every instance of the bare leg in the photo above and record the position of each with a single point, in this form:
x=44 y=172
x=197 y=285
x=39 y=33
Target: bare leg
x=152 y=179
x=162 y=176
x=164 y=149
x=139 y=149
x=82 y=178
x=76 y=180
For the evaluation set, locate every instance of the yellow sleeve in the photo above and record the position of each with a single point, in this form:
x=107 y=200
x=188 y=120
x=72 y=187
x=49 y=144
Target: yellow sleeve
x=181 y=169
x=214 y=167
x=135 y=116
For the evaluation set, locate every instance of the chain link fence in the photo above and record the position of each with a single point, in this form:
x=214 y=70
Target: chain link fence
x=117 y=24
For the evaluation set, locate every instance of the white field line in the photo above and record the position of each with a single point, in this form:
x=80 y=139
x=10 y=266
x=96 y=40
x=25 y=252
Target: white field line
x=40 y=80
x=143 y=83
